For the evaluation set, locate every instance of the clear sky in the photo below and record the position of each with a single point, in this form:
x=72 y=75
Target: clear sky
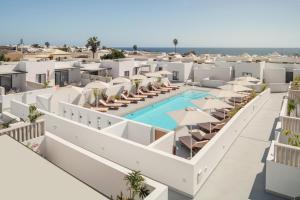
x=153 y=23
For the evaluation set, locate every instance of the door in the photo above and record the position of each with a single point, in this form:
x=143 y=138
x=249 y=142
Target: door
x=57 y=78
x=175 y=75
x=288 y=77
x=65 y=77
x=61 y=78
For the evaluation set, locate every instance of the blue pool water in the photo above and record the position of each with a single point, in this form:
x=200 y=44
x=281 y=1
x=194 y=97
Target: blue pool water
x=157 y=114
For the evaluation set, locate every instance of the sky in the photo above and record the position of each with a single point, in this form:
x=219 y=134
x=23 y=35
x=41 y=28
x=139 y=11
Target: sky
x=152 y=23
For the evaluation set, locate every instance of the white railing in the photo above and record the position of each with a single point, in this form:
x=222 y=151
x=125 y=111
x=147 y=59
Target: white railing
x=287 y=155
x=290 y=123
x=294 y=94
x=25 y=131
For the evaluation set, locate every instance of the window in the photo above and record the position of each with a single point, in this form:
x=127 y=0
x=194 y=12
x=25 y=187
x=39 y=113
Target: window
x=126 y=73
x=175 y=75
x=41 y=78
x=6 y=82
x=136 y=70
x=160 y=68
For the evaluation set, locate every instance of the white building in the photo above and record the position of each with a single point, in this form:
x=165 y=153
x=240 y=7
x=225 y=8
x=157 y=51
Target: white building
x=181 y=72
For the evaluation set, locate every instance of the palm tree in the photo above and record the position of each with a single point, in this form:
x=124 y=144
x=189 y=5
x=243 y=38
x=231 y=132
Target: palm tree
x=93 y=43
x=175 y=42
x=47 y=44
x=135 y=48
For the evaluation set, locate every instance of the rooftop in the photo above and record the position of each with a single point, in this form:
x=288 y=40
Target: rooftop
x=25 y=177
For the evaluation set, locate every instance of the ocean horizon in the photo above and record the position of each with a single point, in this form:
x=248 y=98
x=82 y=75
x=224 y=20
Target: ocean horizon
x=223 y=51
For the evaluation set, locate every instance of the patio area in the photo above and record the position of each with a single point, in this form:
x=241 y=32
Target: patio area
x=243 y=166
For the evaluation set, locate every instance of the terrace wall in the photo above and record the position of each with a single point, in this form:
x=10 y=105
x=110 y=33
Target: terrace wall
x=99 y=173
x=25 y=97
x=87 y=116
x=281 y=179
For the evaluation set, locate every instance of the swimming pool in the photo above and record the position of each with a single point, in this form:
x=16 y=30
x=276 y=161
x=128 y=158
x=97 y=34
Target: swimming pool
x=157 y=114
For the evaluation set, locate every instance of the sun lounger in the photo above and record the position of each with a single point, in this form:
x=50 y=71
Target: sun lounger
x=110 y=105
x=165 y=88
x=100 y=109
x=144 y=89
x=191 y=143
x=224 y=110
x=200 y=135
x=153 y=88
x=138 y=96
x=131 y=99
x=149 y=94
x=168 y=84
x=219 y=115
x=211 y=128
x=170 y=87
x=236 y=99
x=126 y=102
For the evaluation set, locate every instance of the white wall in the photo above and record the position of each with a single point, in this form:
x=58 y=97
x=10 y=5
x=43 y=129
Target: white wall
x=87 y=116
x=74 y=75
x=184 y=69
x=43 y=102
x=256 y=69
x=34 y=68
x=25 y=97
x=133 y=131
x=99 y=173
x=274 y=75
x=164 y=143
x=202 y=71
x=19 y=81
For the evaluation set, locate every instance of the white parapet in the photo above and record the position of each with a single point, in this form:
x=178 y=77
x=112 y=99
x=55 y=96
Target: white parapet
x=283 y=170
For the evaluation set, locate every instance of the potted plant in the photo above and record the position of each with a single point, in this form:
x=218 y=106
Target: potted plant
x=34 y=114
x=291 y=106
x=136 y=187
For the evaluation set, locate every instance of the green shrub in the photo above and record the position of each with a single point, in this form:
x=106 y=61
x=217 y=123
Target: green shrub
x=294 y=138
x=115 y=54
x=34 y=114
x=234 y=111
x=291 y=106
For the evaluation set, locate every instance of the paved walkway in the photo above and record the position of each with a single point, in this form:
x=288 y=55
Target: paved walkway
x=241 y=173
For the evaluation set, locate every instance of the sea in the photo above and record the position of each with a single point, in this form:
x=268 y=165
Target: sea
x=223 y=51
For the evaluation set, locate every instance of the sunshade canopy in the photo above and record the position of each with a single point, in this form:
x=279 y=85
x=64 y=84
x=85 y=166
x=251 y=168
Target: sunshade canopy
x=235 y=88
x=164 y=72
x=138 y=77
x=242 y=82
x=153 y=74
x=191 y=116
x=119 y=80
x=207 y=104
x=225 y=93
x=96 y=85
x=247 y=78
